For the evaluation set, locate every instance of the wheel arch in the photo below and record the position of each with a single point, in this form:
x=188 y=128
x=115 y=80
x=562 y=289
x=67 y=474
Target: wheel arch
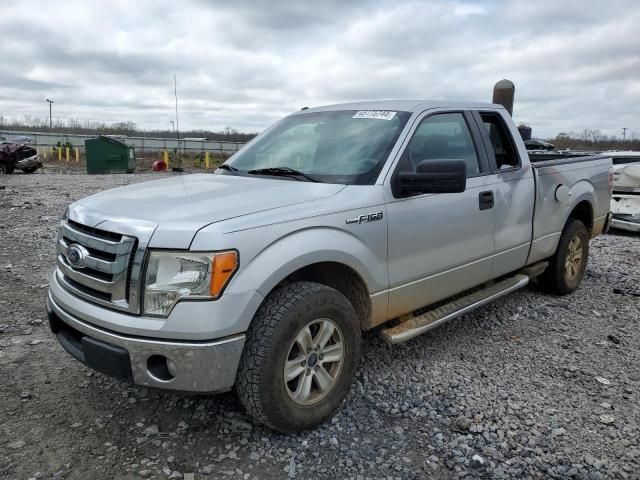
x=331 y=257
x=340 y=277
x=583 y=212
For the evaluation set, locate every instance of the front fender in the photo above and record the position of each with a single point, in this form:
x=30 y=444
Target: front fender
x=304 y=247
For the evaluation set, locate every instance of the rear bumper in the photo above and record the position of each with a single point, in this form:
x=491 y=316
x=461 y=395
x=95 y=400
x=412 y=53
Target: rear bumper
x=625 y=207
x=625 y=225
x=191 y=366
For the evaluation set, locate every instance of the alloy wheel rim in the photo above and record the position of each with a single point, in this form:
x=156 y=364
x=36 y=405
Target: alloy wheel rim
x=314 y=362
x=573 y=262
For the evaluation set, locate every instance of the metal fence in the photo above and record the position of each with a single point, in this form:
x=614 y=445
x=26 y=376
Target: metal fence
x=41 y=139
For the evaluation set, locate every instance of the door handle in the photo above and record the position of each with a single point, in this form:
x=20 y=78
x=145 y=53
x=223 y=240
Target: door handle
x=485 y=200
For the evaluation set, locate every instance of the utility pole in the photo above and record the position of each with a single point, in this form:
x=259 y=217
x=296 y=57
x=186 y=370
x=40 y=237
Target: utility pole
x=175 y=92
x=50 y=121
x=624 y=133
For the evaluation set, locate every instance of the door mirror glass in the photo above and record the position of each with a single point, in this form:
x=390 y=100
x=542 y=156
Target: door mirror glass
x=434 y=176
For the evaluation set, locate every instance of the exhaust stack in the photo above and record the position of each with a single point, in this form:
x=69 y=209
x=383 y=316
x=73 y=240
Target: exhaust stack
x=504 y=93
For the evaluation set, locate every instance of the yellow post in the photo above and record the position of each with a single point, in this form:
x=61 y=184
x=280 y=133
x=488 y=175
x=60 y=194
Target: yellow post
x=165 y=155
x=77 y=155
x=206 y=160
x=67 y=153
x=45 y=152
x=59 y=154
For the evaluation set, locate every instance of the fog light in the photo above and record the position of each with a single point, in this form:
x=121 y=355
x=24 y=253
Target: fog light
x=161 y=368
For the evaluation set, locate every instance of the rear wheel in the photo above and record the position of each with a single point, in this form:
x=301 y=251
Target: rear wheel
x=301 y=354
x=569 y=263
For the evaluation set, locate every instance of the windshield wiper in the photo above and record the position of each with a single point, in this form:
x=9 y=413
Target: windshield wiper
x=282 y=172
x=224 y=166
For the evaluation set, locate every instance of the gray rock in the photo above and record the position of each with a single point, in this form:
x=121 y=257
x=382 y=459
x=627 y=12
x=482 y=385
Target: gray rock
x=292 y=468
x=462 y=423
x=607 y=419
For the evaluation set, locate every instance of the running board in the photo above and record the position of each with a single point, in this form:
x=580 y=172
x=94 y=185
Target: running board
x=420 y=324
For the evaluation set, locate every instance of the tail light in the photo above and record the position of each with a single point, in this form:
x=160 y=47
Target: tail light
x=610 y=181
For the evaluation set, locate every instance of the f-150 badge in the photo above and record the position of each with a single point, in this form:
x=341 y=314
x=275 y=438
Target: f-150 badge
x=369 y=217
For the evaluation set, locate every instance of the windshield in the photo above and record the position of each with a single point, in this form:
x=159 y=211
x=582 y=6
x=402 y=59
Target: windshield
x=346 y=146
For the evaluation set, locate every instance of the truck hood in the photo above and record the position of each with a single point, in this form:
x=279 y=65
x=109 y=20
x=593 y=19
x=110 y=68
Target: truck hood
x=179 y=206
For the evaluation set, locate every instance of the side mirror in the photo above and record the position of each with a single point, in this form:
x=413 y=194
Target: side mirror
x=434 y=176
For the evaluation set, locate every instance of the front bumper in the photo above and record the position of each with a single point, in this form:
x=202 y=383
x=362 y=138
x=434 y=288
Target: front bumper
x=197 y=321
x=191 y=366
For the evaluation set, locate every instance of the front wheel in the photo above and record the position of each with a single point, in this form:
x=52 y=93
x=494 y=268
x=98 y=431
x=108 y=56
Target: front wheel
x=300 y=357
x=569 y=263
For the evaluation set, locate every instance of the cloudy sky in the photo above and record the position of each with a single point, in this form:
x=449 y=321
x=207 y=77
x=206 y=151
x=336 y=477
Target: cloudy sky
x=576 y=64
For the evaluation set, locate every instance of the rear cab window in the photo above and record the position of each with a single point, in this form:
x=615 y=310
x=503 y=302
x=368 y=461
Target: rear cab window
x=499 y=143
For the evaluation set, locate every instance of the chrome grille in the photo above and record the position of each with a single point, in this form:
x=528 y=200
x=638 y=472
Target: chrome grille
x=106 y=276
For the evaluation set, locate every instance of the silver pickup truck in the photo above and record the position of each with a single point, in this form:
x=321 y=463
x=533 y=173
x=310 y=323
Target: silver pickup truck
x=262 y=276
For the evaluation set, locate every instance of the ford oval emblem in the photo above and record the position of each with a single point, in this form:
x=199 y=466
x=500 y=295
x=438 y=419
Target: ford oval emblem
x=75 y=255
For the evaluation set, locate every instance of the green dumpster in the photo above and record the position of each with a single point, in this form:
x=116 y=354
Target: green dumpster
x=108 y=155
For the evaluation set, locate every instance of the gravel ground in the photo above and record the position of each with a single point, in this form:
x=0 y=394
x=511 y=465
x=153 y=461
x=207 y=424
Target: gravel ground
x=532 y=386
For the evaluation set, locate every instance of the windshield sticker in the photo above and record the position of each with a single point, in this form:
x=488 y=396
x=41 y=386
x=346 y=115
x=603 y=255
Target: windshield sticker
x=376 y=114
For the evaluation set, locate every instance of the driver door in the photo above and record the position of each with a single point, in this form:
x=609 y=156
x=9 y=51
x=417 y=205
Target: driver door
x=439 y=244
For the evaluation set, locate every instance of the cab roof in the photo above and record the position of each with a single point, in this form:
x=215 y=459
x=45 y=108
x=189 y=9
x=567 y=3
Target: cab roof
x=414 y=106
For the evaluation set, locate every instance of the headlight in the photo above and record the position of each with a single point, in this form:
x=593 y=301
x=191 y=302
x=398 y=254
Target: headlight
x=174 y=275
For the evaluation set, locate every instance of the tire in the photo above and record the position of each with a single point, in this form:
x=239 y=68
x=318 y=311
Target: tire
x=569 y=263
x=275 y=337
x=30 y=169
x=6 y=167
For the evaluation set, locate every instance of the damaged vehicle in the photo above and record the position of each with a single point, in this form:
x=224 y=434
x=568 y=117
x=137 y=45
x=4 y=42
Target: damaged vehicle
x=19 y=154
x=625 y=199
x=263 y=276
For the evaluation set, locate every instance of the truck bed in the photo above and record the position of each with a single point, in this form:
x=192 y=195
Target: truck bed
x=561 y=185
x=560 y=158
